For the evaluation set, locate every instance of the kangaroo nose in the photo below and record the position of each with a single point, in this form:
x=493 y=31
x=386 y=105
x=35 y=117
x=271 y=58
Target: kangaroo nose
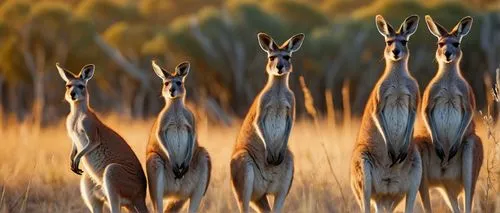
x=73 y=94
x=447 y=54
x=279 y=67
x=171 y=90
x=396 y=52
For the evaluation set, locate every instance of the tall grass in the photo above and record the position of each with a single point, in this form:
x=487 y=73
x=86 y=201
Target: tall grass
x=35 y=173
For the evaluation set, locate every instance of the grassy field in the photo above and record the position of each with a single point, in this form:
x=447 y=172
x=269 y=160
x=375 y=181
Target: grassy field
x=35 y=171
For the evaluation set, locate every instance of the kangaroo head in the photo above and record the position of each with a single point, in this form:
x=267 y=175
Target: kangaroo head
x=448 y=49
x=396 y=42
x=279 y=57
x=76 y=85
x=173 y=84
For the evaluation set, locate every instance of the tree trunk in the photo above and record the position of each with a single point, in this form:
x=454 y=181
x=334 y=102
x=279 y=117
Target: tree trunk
x=139 y=102
x=38 y=88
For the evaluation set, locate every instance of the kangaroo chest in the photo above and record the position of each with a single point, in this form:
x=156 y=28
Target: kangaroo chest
x=447 y=115
x=276 y=115
x=177 y=137
x=74 y=126
x=395 y=112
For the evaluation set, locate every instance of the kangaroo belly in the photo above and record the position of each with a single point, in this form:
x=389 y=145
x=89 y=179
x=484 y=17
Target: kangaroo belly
x=275 y=126
x=177 y=138
x=396 y=117
x=447 y=116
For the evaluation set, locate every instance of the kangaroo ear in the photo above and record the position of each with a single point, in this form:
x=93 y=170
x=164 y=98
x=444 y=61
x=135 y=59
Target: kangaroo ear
x=463 y=27
x=409 y=26
x=65 y=75
x=182 y=69
x=435 y=28
x=160 y=72
x=87 y=72
x=266 y=42
x=294 y=43
x=384 y=28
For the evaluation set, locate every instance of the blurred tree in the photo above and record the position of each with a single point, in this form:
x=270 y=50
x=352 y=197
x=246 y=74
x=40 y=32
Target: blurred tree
x=218 y=37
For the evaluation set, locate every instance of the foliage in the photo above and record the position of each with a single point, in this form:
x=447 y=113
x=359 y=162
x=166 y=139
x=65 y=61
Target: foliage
x=219 y=39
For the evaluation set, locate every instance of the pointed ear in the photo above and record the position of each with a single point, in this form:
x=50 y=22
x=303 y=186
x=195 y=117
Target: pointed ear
x=160 y=72
x=87 y=72
x=435 y=28
x=463 y=27
x=182 y=69
x=293 y=44
x=65 y=75
x=266 y=42
x=409 y=26
x=384 y=28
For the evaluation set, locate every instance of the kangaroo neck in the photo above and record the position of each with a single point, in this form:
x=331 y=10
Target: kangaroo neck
x=399 y=67
x=80 y=107
x=174 y=103
x=274 y=81
x=449 y=70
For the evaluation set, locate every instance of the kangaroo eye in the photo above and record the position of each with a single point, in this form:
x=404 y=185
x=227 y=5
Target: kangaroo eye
x=178 y=83
x=403 y=42
x=167 y=83
x=455 y=44
x=271 y=58
x=286 y=57
x=441 y=44
x=389 y=42
x=81 y=87
x=68 y=86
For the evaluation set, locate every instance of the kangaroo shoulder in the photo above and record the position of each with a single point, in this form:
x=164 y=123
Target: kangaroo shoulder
x=189 y=115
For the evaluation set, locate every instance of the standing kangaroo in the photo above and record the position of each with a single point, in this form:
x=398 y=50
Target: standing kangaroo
x=386 y=166
x=452 y=154
x=261 y=163
x=178 y=169
x=112 y=171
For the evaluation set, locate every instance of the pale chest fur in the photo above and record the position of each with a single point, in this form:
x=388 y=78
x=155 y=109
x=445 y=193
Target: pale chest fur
x=94 y=162
x=74 y=126
x=447 y=114
x=276 y=110
x=395 y=112
x=176 y=136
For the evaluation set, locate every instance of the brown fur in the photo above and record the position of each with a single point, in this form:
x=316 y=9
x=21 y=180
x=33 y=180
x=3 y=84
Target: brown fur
x=171 y=179
x=385 y=169
x=262 y=164
x=112 y=170
x=450 y=162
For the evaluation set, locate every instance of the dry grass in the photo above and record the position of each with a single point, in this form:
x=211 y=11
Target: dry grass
x=35 y=174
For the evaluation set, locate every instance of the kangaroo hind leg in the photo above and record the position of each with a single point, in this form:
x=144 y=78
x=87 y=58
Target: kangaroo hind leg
x=203 y=173
x=113 y=176
x=90 y=195
x=242 y=179
x=472 y=159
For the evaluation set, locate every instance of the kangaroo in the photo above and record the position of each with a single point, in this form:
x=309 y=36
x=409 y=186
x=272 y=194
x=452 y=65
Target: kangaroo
x=112 y=171
x=261 y=163
x=452 y=153
x=178 y=168
x=386 y=166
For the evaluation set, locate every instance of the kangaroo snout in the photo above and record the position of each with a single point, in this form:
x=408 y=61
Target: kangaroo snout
x=279 y=67
x=73 y=95
x=396 y=53
x=448 y=55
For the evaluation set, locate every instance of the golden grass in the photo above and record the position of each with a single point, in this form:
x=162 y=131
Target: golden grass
x=35 y=174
